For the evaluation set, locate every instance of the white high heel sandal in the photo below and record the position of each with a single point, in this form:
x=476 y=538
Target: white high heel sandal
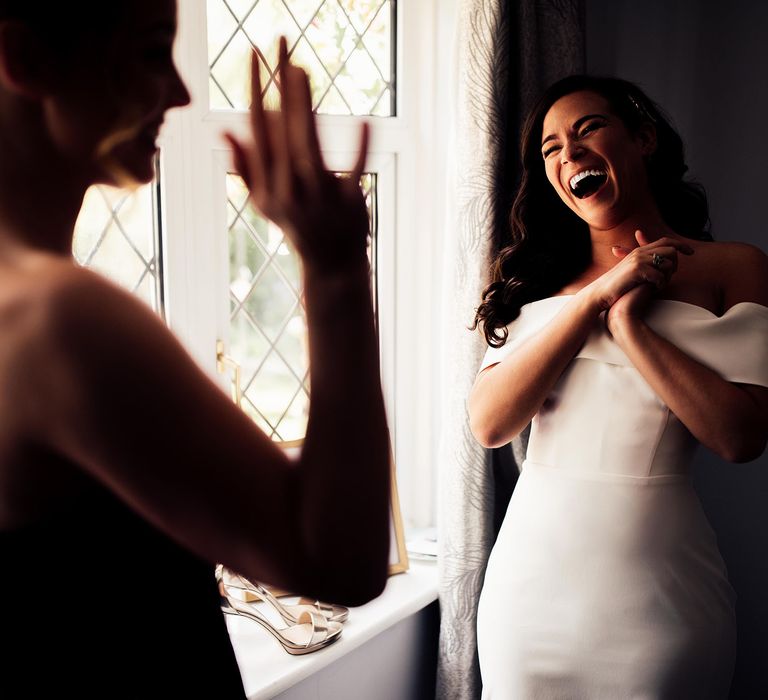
x=311 y=631
x=289 y=613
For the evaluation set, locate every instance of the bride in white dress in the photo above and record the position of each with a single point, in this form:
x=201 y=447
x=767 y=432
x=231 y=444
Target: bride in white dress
x=627 y=337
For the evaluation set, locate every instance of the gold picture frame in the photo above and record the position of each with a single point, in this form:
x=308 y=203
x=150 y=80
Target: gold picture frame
x=398 y=554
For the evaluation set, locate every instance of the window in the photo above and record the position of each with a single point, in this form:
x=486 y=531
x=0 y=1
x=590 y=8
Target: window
x=117 y=233
x=347 y=50
x=215 y=263
x=346 y=46
x=267 y=333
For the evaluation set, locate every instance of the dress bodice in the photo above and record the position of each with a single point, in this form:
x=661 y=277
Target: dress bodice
x=603 y=417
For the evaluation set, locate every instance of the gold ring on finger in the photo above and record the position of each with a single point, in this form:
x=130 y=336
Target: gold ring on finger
x=657 y=260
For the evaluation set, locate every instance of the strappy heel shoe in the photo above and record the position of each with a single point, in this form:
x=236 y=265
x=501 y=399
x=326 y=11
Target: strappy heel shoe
x=289 y=613
x=310 y=633
x=332 y=611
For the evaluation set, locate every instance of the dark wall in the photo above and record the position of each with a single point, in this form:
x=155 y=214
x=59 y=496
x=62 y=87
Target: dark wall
x=706 y=64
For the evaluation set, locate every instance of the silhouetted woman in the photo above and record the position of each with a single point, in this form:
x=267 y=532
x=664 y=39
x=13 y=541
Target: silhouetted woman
x=125 y=472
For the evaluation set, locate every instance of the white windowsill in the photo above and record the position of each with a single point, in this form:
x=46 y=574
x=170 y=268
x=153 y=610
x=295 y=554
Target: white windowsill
x=268 y=670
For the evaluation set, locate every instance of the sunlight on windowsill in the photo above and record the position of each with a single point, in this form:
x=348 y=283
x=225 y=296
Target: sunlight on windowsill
x=267 y=670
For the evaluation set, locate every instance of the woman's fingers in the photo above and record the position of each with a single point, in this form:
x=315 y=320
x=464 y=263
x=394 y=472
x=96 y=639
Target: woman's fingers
x=655 y=277
x=663 y=258
x=644 y=242
x=299 y=128
x=325 y=217
x=242 y=166
x=284 y=87
x=662 y=253
x=283 y=163
x=262 y=152
x=679 y=246
x=304 y=139
x=654 y=264
x=641 y=238
x=362 y=154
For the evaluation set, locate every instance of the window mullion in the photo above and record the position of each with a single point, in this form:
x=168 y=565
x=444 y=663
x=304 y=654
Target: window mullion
x=192 y=190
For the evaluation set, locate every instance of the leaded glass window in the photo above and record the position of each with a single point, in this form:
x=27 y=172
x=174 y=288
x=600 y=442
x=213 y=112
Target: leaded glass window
x=346 y=46
x=268 y=336
x=117 y=234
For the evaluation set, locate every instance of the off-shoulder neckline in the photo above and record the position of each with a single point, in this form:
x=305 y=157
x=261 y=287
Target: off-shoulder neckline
x=670 y=301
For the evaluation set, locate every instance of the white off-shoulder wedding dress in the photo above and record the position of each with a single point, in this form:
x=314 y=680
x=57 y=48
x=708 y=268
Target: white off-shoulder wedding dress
x=605 y=581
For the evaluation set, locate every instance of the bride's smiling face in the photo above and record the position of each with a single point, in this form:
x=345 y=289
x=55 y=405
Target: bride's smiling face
x=595 y=164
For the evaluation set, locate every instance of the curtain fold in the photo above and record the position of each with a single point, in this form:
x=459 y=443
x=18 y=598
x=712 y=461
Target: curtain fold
x=505 y=54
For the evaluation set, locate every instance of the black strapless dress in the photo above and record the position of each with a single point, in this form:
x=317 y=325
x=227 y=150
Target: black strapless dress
x=96 y=603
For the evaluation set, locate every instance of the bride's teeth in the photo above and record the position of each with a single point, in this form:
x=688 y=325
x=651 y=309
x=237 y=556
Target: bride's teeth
x=584 y=173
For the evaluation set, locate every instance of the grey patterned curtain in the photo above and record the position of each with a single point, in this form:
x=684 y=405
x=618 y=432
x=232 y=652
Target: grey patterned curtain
x=507 y=52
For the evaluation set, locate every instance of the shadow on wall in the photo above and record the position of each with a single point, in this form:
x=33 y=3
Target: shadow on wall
x=705 y=63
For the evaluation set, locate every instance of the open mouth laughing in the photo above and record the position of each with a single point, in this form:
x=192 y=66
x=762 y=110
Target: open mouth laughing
x=587 y=182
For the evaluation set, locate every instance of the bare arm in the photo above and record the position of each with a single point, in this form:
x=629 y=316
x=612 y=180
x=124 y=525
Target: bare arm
x=506 y=396
x=728 y=418
x=731 y=419
x=123 y=400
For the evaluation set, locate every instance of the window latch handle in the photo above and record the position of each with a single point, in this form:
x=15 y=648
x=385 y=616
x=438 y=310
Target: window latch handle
x=223 y=363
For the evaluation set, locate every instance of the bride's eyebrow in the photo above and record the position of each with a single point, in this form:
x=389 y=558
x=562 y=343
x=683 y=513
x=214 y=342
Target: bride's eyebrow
x=576 y=125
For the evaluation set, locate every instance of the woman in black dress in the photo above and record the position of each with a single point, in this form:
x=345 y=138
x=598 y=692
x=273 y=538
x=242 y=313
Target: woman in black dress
x=125 y=473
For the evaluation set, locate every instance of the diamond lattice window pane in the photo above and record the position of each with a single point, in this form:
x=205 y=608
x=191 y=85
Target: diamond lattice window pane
x=268 y=333
x=346 y=46
x=116 y=234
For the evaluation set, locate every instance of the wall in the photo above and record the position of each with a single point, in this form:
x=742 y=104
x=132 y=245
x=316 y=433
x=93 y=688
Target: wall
x=398 y=664
x=706 y=63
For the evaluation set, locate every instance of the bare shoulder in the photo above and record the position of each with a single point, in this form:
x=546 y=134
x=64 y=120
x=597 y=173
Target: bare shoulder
x=61 y=278
x=75 y=322
x=74 y=298
x=93 y=346
x=46 y=280
x=40 y=293
x=66 y=331
x=740 y=270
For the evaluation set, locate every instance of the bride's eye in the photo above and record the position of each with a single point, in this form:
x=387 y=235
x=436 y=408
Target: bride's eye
x=588 y=128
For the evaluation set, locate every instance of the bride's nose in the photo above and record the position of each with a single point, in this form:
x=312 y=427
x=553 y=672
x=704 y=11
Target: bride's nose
x=571 y=152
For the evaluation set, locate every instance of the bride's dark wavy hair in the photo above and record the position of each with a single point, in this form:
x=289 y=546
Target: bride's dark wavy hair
x=550 y=245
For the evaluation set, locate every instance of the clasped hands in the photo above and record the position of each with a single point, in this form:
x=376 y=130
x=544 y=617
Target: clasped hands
x=626 y=290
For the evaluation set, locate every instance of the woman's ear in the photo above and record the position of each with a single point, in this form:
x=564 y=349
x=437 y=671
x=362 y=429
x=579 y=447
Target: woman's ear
x=26 y=63
x=647 y=137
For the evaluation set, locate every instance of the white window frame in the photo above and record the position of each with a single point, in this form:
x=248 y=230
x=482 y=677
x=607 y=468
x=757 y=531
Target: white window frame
x=403 y=153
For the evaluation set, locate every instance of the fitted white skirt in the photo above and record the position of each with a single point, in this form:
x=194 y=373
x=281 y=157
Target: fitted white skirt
x=605 y=586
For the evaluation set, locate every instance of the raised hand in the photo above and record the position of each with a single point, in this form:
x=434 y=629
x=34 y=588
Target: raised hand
x=323 y=216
